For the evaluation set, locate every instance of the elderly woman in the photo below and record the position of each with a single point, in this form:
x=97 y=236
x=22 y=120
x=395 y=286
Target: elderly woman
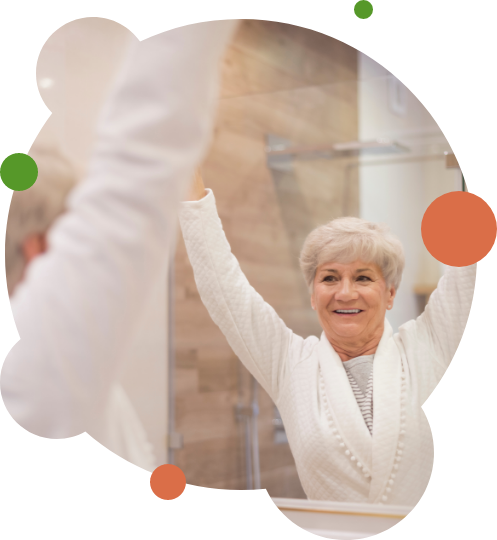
x=351 y=400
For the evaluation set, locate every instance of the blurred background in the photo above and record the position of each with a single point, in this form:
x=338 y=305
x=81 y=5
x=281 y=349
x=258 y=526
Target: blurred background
x=308 y=129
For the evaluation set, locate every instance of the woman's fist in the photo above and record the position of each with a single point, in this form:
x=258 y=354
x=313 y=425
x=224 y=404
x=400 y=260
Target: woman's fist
x=197 y=189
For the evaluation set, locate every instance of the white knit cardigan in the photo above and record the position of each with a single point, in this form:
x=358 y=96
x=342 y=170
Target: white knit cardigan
x=336 y=457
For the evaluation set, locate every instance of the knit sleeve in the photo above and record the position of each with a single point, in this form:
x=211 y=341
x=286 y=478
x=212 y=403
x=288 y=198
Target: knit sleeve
x=252 y=327
x=81 y=303
x=432 y=339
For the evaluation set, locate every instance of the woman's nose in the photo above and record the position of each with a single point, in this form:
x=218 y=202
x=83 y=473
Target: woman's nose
x=346 y=291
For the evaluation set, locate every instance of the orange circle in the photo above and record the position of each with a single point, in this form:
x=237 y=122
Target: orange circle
x=168 y=482
x=459 y=228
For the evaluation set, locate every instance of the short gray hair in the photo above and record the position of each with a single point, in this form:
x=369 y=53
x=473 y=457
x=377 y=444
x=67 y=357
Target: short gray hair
x=348 y=239
x=33 y=211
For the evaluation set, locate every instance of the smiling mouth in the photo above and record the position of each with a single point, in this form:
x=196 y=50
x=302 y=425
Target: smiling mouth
x=348 y=311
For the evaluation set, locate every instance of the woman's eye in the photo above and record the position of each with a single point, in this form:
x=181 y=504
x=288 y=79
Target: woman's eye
x=329 y=278
x=363 y=278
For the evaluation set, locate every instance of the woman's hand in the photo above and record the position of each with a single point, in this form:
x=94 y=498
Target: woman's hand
x=197 y=189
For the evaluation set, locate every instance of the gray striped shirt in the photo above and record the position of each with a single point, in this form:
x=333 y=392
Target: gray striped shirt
x=360 y=373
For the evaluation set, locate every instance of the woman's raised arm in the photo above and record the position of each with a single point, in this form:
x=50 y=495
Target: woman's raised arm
x=81 y=302
x=252 y=327
x=436 y=333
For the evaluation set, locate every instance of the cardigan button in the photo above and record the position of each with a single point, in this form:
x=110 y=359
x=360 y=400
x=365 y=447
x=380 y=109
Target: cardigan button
x=392 y=475
x=388 y=490
x=359 y=464
x=353 y=458
x=401 y=445
x=391 y=482
x=399 y=452
x=347 y=452
x=366 y=475
x=341 y=445
x=396 y=466
x=402 y=432
x=384 y=498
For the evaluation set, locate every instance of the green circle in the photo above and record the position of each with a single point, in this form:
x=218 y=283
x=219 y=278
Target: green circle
x=19 y=172
x=363 y=9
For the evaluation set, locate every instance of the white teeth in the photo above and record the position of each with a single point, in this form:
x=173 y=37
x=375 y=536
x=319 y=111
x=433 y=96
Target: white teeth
x=348 y=310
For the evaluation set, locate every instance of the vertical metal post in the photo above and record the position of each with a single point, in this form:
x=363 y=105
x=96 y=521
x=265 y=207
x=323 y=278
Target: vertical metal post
x=248 y=455
x=174 y=439
x=243 y=417
x=171 y=445
x=255 y=435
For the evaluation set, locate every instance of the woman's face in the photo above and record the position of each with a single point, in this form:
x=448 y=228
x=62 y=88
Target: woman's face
x=351 y=300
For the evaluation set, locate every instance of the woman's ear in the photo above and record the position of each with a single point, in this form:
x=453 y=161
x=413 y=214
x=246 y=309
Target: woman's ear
x=392 y=292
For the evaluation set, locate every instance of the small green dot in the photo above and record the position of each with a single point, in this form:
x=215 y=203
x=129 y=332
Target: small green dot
x=363 y=9
x=19 y=172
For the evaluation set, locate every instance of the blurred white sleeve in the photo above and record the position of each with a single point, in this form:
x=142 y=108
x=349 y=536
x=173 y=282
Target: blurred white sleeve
x=431 y=340
x=80 y=302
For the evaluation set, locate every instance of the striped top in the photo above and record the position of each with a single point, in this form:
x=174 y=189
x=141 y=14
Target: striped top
x=360 y=373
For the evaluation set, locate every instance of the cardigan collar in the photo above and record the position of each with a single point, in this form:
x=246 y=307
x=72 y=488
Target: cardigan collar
x=376 y=453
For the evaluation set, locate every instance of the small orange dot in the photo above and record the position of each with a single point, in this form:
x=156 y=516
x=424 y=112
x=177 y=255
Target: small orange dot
x=459 y=228
x=168 y=482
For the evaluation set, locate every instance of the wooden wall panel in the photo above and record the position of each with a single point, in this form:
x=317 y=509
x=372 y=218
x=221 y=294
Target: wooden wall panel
x=297 y=84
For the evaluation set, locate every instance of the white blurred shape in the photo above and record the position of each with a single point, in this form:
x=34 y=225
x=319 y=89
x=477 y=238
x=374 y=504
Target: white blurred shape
x=46 y=82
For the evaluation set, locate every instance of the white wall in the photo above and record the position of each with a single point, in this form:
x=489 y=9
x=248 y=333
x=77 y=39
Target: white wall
x=397 y=189
x=75 y=70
